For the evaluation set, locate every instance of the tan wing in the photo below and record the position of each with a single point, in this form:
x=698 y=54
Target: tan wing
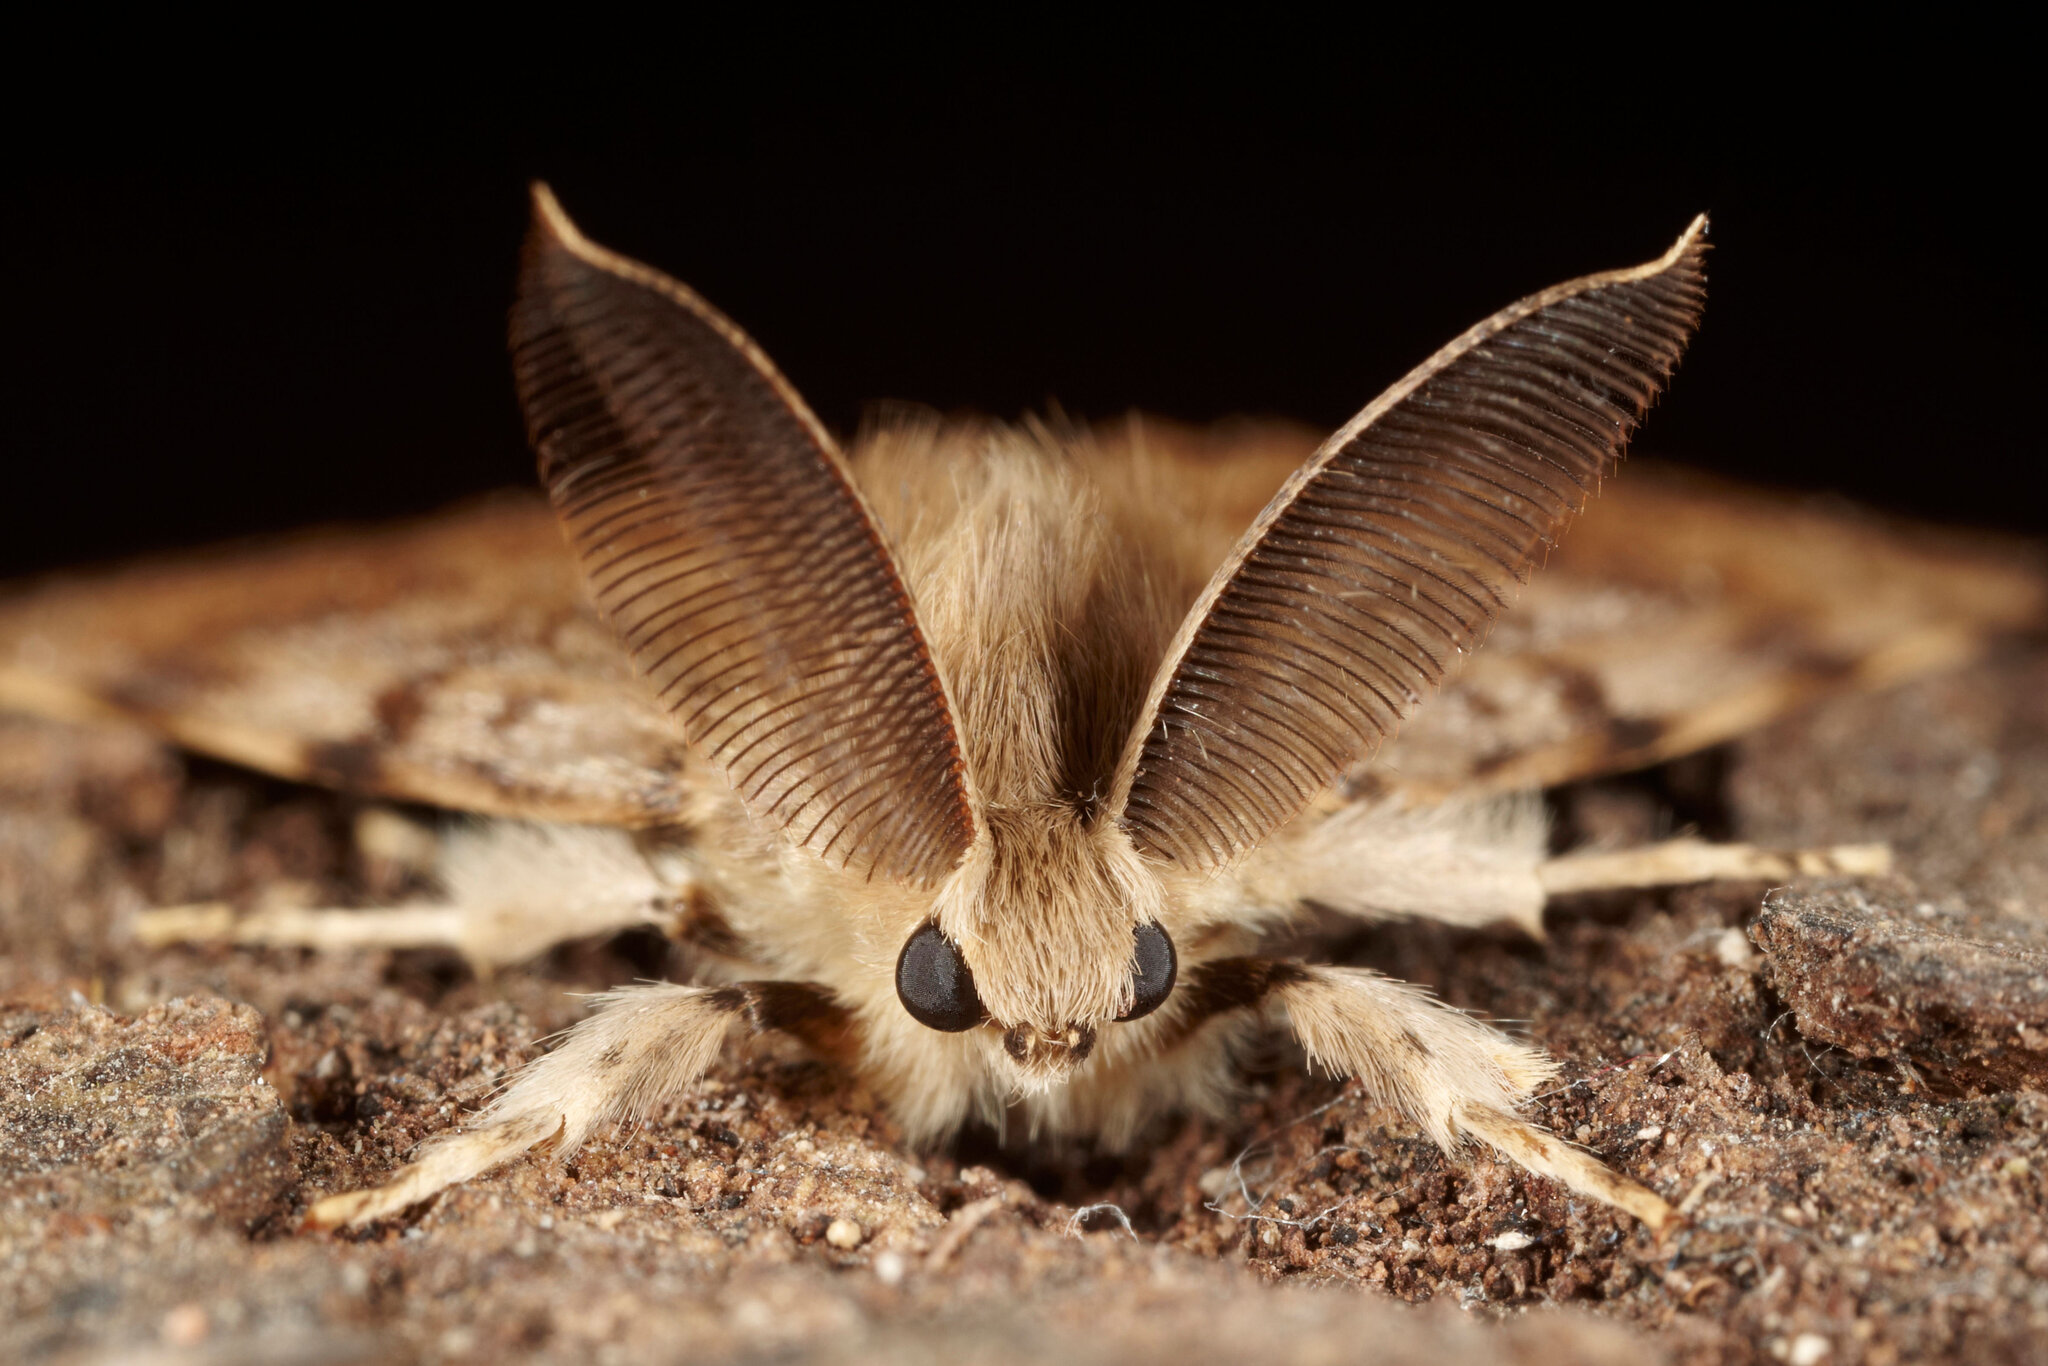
x=724 y=541
x=1390 y=553
x=450 y=661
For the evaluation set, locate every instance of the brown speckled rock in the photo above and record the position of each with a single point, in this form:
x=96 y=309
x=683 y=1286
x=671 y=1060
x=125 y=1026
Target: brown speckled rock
x=166 y=1115
x=1862 y=972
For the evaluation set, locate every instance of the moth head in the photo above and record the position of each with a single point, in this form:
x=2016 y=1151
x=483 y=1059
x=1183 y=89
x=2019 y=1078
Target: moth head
x=1048 y=934
x=724 y=538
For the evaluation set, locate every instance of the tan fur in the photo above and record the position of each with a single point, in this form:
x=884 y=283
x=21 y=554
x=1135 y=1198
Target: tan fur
x=1047 y=626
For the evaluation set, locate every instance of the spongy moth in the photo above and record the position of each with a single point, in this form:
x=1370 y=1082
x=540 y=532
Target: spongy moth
x=987 y=757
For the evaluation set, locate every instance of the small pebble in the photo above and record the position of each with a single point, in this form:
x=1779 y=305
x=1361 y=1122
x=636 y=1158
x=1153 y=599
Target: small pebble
x=186 y=1326
x=844 y=1234
x=1649 y=1132
x=1732 y=947
x=1809 y=1349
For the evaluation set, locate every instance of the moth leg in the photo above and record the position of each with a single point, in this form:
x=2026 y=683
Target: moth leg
x=642 y=1046
x=1483 y=862
x=1675 y=862
x=1457 y=862
x=416 y=925
x=514 y=889
x=1454 y=1076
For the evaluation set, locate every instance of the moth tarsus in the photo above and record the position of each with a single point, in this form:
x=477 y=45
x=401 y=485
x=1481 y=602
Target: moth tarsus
x=933 y=820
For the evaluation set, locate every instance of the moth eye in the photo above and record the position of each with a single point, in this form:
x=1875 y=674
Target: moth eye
x=934 y=984
x=1152 y=982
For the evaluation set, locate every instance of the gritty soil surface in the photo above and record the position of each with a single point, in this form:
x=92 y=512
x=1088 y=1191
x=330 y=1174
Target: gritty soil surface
x=1844 y=1083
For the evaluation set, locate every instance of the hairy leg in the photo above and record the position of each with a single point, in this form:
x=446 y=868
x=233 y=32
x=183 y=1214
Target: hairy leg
x=644 y=1044
x=1485 y=862
x=1673 y=863
x=1454 y=1076
x=510 y=891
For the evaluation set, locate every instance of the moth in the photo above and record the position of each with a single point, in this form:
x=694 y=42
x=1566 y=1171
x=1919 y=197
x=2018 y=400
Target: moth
x=986 y=759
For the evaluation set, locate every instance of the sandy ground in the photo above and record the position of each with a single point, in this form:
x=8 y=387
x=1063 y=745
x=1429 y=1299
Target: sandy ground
x=1845 y=1083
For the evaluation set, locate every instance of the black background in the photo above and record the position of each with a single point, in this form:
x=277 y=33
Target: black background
x=237 y=310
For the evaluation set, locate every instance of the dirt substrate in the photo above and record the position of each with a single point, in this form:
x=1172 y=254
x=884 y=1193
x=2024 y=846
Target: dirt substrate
x=1845 y=1083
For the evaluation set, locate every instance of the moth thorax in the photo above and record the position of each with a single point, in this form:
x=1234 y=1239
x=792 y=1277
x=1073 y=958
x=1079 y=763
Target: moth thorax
x=1045 y=912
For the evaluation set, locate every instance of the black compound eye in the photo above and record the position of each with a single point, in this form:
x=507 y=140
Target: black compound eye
x=1152 y=982
x=934 y=984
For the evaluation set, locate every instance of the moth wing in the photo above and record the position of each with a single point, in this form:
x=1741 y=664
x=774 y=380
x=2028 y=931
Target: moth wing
x=723 y=539
x=451 y=661
x=1390 y=553
x=1683 y=612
